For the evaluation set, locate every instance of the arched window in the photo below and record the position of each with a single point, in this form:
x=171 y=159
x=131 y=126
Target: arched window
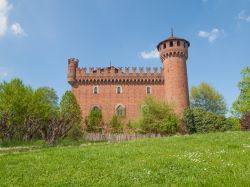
x=118 y=90
x=148 y=90
x=95 y=108
x=95 y=90
x=120 y=111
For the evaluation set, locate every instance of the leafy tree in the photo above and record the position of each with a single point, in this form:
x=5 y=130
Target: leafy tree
x=157 y=117
x=235 y=123
x=206 y=97
x=14 y=102
x=94 y=120
x=116 y=124
x=199 y=120
x=242 y=105
x=62 y=120
x=43 y=104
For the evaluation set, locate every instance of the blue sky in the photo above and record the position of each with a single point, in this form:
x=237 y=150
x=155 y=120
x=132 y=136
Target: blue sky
x=37 y=38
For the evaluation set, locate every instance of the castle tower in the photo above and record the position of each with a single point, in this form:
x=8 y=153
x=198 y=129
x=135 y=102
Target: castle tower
x=72 y=66
x=174 y=53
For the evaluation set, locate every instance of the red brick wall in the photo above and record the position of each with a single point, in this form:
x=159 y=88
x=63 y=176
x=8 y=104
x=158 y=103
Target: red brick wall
x=131 y=97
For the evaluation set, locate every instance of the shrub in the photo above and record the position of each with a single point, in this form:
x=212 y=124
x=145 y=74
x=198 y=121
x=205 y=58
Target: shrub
x=245 y=121
x=157 y=117
x=116 y=124
x=94 y=120
x=75 y=133
x=235 y=123
x=200 y=121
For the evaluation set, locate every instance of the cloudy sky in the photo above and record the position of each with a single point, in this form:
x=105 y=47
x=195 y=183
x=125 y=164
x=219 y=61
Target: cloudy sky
x=37 y=38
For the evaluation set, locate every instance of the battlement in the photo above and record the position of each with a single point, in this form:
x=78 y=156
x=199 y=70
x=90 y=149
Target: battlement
x=113 y=71
x=112 y=74
x=173 y=47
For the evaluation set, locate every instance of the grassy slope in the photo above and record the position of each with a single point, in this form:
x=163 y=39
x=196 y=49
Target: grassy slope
x=220 y=159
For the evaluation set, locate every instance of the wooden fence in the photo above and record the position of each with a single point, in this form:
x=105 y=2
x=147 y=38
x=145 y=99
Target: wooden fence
x=118 y=137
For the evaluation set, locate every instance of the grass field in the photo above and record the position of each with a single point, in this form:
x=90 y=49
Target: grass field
x=218 y=159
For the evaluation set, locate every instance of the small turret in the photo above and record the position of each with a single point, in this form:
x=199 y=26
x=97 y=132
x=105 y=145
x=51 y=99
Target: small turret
x=72 y=66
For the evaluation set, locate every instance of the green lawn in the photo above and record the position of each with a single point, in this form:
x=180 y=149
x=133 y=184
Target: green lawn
x=218 y=159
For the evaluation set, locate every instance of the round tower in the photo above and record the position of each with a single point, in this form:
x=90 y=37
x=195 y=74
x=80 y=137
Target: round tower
x=72 y=66
x=174 y=53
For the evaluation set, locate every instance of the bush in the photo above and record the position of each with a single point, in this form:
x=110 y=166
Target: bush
x=116 y=124
x=245 y=121
x=157 y=117
x=75 y=133
x=235 y=123
x=94 y=120
x=200 y=121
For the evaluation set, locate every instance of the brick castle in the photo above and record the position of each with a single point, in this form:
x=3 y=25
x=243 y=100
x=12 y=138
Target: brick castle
x=118 y=91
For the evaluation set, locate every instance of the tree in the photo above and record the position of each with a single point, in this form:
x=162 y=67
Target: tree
x=206 y=97
x=94 y=120
x=158 y=117
x=242 y=105
x=199 y=120
x=44 y=104
x=116 y=124
x=15 y=99
x=62 y=120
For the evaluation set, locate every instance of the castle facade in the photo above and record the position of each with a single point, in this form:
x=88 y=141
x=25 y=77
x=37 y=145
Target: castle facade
x=120 y=91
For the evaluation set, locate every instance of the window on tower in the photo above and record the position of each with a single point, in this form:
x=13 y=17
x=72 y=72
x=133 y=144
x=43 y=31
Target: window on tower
x=148 y=90
x=118 y=90
x=178 y=43
x=164 y=46
x=95 y=90
x=171 y=44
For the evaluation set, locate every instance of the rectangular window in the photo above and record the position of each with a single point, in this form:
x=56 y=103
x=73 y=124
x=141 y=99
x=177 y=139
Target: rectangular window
x=95 y=90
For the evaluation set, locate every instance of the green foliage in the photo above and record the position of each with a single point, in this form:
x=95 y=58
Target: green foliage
x=60 y=123
x=116 y=124
x=94 y=120
x=206 y=97
x=199 y=120
x=15 y=99
x=26 y=114
x=157 y=117
x=70 y=109
x=43 y=105
x=242 y=104
x=235 y=123
x=214 y=159
x=71 y=112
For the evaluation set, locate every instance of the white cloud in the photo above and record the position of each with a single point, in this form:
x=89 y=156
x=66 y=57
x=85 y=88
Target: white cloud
x=150 y=54
x=17 y=29
x=213 y=35
x=242 y=16
x=4 y=10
